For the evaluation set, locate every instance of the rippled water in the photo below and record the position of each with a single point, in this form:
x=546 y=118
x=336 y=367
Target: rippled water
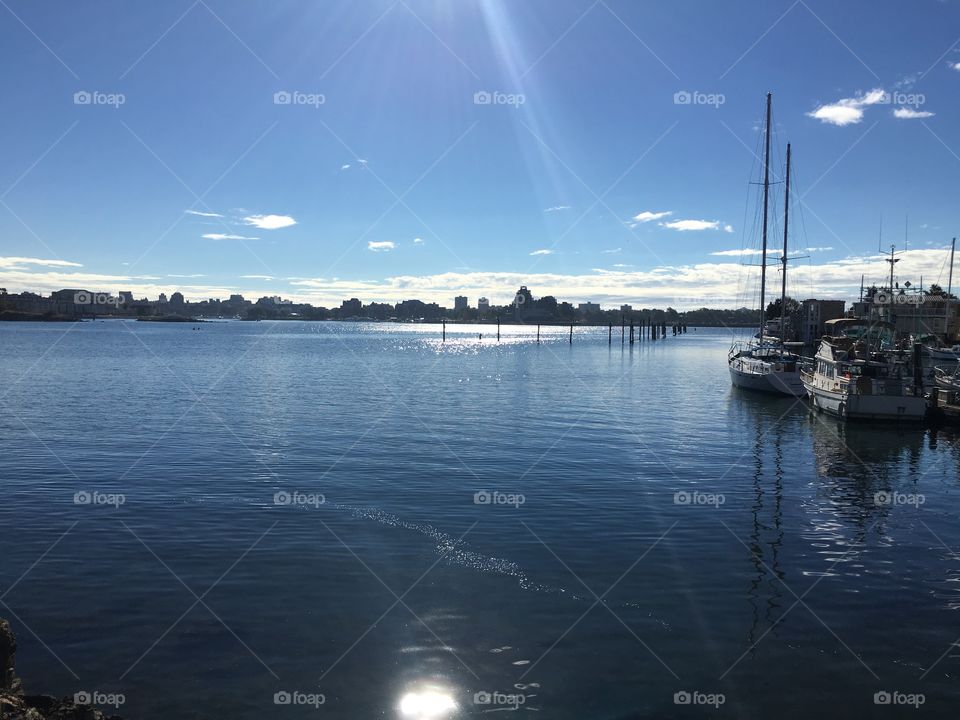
x=650 y=530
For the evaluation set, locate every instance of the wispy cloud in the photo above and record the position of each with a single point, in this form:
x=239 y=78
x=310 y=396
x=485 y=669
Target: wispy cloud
x=692 y=225
x=227 y=236
x=382 y=246
x=269 y=222
x=728 y=228
x=418 y=241
x=257 y=277
x=614 y=251
x=194 y=275
x=955 y=66
x=905 y=113
x=556 y=208
x=198 y=213
x=345 y=166
x=848 y=111
x=647 y=216
x=18 y=262
x=542 y=252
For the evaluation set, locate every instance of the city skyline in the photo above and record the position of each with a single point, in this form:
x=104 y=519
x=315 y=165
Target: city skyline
x=519 y=154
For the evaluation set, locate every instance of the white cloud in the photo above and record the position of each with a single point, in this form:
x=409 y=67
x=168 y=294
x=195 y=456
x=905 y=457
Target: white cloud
x=905 y=113
x=203 y=214
x=257 y=277
x=16 y=262
x=686 y=225
x=542 y=252
x=646 y=216
x=740 y=253
x=848 y=111
x=269 y=222
x=418 y=241
x=345 y=167
x=224 y=236
x=728 y=228
x=614 y=251
x=955 y=66
x=195 y=275
x=384 y=246
x=557 y=208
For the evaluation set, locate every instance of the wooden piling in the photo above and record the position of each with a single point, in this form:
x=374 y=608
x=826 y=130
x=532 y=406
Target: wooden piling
x=538 y=334
x=571 y=333
x=610 y=334
x=444 y=331
x=631 y=331
x=498 y=327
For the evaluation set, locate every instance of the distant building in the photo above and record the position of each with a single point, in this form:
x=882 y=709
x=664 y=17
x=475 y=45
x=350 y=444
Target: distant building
x=351 y=308
x=460 y=303
x=813 y=314
x=626 y=309
x=177 y=299
x=588 y=307
x=483 y=305
x=163 y=298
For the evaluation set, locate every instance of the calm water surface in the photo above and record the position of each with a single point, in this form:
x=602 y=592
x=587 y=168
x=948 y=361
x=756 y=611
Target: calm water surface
x=363 y=513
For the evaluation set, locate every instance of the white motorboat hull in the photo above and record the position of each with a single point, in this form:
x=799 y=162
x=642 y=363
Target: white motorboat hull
x=867 y=407
x=938 y=354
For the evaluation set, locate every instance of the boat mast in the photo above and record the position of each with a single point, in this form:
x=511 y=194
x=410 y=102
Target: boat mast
x=766 y=200
x=893 y=261
x=783 y=287
x=946 y=304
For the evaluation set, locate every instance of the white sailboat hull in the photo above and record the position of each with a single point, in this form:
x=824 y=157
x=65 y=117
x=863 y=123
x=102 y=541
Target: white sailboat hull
x=744 y=376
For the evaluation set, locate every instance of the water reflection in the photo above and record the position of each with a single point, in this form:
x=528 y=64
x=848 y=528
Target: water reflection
x=766 y=537
x=427 y=702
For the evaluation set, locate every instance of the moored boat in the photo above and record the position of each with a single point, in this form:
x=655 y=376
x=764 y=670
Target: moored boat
x=850 y=381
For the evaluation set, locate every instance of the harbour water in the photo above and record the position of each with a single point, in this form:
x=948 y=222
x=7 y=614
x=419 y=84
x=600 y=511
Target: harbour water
x=365 y=521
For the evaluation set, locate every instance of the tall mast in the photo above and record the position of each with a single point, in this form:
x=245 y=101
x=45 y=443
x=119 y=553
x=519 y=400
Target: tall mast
x=786 y=223
x=946 y=304
x=953 y=247
x=893 y=261
x=766 y=201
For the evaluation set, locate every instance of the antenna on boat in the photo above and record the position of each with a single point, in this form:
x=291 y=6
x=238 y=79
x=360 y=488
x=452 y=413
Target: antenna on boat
x=766 y=201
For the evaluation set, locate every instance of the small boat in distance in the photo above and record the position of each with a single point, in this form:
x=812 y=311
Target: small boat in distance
x=764 y=364
x=950 y=353
x=948 y=379
x=852 y=379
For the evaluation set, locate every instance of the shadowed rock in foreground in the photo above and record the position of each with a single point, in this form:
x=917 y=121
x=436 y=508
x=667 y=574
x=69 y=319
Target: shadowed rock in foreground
x=15 y=705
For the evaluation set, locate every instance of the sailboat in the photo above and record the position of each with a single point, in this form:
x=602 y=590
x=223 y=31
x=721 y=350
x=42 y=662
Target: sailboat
x=764 y=364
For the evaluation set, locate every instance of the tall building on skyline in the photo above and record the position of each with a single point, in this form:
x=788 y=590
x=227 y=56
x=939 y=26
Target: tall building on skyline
x=460 y=303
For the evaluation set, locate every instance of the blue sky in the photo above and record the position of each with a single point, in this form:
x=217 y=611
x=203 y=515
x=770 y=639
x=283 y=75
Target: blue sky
x=386 y=176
